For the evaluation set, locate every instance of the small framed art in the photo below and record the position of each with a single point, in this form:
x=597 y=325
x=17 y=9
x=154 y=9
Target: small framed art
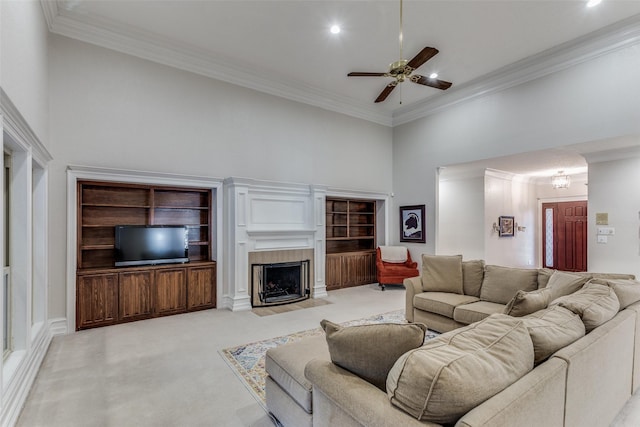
x=412 y=226
x=505 y=226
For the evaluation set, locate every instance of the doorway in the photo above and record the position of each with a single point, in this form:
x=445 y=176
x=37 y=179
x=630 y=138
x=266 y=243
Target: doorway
x=564 y=235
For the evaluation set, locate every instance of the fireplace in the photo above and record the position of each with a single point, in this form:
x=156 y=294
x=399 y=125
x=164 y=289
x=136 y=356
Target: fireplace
x=279 y=283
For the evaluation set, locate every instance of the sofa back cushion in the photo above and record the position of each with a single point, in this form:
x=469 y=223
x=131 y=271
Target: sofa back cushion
x=455 y=372
x=370 y=351
x=442 y=273
x=544 y=274
x=500 y=284
x=627 y=290
x=594 y=303
x=552 y=329
x=472 y=275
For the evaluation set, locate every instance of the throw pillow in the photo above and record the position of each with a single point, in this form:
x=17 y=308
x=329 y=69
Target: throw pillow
x=455 y=372
x=562 y=283
x=370 y=351
x=627 y=290
x=594 y=303
x=544 y=274
x=552 y=329
x=524 y=303
x=500 y=284
x=472 y=275
x=442 y=273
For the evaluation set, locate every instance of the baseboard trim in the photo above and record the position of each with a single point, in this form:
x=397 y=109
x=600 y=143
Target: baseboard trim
x=17 y=390
x=58 y=326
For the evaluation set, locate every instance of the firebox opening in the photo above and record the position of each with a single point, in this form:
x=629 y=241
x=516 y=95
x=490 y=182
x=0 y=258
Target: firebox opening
x=280 y=283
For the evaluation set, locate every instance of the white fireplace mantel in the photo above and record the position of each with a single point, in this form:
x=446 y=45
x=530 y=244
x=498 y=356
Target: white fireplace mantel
x=270 y=216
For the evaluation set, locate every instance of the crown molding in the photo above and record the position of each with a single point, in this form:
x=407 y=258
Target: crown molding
x=145 y=45
x=609 y=39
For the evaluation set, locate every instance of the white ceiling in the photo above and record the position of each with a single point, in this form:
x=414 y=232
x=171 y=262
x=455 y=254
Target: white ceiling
x=285 y=48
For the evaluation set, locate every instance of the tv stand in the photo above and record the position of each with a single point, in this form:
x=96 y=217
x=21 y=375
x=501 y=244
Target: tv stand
x=108 y=296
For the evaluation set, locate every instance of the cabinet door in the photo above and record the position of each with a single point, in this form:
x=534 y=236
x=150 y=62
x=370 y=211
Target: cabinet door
x=171 y=291
x=201 y=288
x=135 y=295
x=333 y=272
x=360 y=269
x=97 y=300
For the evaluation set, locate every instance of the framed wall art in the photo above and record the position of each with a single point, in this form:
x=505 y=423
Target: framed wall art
x=412 y=226
x=506 y=226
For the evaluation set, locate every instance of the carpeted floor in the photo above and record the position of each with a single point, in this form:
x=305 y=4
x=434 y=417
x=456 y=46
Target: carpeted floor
x=247 y=360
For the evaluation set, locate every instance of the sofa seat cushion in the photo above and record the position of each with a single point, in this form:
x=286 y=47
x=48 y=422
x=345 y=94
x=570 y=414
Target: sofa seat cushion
x=442 y=303
x=476 y=311
x=369 y=351
x=457 y=371
x=594 y=303
x=442 y=273
x=552 y=329
x=285 y=365
x=500 y=284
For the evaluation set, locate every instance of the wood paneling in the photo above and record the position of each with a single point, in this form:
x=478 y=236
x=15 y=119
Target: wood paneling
x=97 y=297
x=171 y=291
x=333 y=272
x=350 y=269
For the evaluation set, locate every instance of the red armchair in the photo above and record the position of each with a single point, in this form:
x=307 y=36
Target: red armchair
x=391 y=269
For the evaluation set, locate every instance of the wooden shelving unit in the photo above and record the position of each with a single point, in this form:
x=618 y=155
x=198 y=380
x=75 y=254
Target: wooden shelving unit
x=351 y=242
x=107 y=295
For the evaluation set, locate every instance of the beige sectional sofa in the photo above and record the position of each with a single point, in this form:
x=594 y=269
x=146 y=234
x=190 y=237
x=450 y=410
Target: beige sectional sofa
x=583 y=383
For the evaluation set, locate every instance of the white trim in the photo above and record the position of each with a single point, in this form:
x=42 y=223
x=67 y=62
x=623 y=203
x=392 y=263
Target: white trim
x=58 y=326
x=76 y=173
x=132 y=41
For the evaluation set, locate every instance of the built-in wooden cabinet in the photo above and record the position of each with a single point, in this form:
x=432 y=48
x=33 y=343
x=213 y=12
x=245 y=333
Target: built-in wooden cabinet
x=108 y=295
x=351 y=242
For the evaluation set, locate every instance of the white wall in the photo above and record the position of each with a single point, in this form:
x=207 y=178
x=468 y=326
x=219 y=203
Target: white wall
x=569 y=107
x=507 y=195
x=461 y=217
x=23 y=61
x=613 y=189
x=113 y=110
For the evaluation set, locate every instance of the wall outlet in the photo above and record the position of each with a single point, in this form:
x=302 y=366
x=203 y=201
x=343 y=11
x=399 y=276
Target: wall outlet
x=602 y=239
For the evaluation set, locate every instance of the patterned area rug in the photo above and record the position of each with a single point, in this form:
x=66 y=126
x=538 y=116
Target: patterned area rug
x=247 y=360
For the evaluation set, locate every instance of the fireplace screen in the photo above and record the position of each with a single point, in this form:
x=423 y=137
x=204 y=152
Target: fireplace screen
x=279 y=283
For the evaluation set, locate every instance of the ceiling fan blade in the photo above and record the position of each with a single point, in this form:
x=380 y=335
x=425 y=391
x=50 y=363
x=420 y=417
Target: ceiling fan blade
x=386 y=91
x=357 y=74
x=425 y=54
x=438 y=84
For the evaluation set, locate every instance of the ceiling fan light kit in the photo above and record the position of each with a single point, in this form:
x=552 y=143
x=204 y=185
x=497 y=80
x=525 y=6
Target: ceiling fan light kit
x=402 y=69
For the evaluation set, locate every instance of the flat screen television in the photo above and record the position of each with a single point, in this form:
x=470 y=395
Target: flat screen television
x=151 y=244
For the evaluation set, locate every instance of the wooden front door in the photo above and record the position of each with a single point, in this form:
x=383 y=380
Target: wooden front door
x=564 y=235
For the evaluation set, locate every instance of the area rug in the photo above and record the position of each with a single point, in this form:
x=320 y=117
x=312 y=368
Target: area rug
x=247 y=360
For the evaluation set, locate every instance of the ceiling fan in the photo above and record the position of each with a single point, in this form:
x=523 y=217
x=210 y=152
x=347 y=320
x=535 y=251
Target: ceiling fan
x=403 y=69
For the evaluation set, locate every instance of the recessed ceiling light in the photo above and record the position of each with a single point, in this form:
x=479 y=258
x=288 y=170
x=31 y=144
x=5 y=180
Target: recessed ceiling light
x=433 y=75
x=335 y=29
x=592 y=3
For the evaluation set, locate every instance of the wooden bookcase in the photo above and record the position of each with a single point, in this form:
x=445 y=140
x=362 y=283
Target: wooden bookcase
x=351 y=242
x=108 y=295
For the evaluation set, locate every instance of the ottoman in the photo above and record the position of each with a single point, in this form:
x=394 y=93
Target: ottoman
x=288 y=392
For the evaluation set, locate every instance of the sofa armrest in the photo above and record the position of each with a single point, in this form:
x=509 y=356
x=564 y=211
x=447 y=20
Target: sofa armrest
x=363 y=402
x=413 y=286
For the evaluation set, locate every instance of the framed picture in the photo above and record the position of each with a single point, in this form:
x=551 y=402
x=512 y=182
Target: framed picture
x=505 y=226
x=412 y=227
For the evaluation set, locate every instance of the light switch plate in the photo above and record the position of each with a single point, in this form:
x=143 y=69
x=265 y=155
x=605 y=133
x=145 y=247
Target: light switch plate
x=602 y=239
x=606 y=231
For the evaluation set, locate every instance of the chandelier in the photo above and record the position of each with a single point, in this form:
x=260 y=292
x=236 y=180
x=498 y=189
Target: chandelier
x=560 y=180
